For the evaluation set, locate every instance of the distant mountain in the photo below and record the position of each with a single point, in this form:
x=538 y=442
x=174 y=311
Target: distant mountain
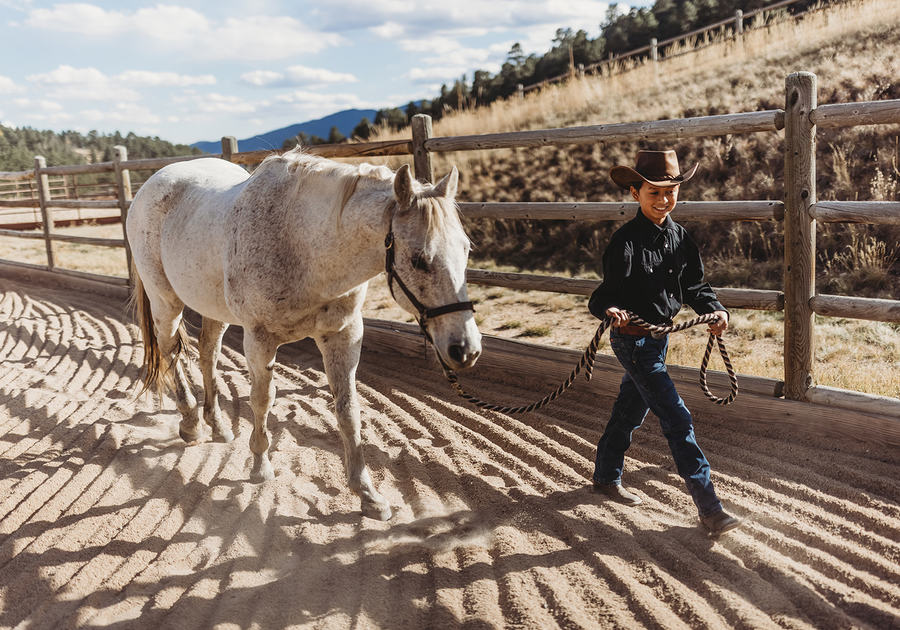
x=345 y=121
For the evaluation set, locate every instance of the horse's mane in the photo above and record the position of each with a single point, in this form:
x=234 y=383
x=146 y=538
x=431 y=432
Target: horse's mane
x=347 y=178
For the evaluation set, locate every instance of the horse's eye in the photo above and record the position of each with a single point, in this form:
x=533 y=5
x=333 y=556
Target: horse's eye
x=418 y=262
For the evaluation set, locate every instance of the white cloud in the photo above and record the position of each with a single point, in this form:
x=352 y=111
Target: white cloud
x=66 y=82
x=84 y=84
x=157 y=79
x=86 y=19
x=38 y=105
x=388 y=30
x=296 y=75
x=436 y=73
x=262 y=77
x=8 y=86
x=215 y=103
x=136 y=116
x=169 y=24
x=180 y=28
x=302 y=97
x=464 y=17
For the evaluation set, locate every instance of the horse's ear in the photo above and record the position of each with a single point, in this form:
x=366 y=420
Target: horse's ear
x=448 y=185
x=403 y=187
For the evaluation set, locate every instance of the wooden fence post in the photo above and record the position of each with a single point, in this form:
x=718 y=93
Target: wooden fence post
x=654 y=51
x=421 y=131
x=799 y=232
x=738 y=23
x=520 y=90
x=123 y=189
x=229 y=147
x=43 y=192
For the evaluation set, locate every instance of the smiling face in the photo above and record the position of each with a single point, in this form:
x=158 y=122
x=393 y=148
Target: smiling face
x=656 y=201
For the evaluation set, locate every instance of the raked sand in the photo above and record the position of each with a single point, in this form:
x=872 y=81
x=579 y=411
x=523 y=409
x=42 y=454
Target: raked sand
x=107 y=519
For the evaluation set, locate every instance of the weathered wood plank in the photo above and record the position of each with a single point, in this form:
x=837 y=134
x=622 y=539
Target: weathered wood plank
x=76 y=169
x=747 y=122
x=82 y=203
x=87 y=240
x=884 y=212
x=22 y=234
x=19 y=203
x=853 y=114
x=15 y=176
x=856 y=401
x=345 y=150
x=799 y=232
x=95 y=277
x=152 y=164
x=617 y=211
x=856 y=308
x=756 y=299
x=43 y=190
x=423 y=169
x=124 y=197
x=41 y=274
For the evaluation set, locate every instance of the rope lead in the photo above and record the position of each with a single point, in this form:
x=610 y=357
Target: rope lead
x=587 y=364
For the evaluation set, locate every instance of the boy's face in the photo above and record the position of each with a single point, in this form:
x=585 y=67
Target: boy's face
x=656 y=201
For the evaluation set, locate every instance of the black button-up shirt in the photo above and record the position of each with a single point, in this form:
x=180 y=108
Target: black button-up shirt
x=651 y=271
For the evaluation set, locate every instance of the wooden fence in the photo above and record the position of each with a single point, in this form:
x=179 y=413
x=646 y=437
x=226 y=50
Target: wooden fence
x=799 y=211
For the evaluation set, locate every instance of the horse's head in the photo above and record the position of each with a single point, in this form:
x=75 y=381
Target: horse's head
x=428 y=256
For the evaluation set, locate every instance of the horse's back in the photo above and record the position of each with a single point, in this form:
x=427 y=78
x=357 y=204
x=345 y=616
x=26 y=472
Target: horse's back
x=175 y=229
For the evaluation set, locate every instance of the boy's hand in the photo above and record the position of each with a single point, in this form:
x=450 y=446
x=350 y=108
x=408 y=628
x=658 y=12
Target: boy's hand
x=618 y=316
x=720 y=326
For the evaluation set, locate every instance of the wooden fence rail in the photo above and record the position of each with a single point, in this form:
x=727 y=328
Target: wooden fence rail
x=799 y=212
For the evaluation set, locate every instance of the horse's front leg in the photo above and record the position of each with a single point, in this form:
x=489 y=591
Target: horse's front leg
x=340 y=353
x=259 y=350
x=210 y=345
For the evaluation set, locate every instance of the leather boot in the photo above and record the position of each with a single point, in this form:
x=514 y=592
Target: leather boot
x=719 y=523
x=615 y=492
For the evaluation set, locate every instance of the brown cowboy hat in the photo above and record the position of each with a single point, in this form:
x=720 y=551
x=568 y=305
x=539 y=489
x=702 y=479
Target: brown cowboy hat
x=659 y=168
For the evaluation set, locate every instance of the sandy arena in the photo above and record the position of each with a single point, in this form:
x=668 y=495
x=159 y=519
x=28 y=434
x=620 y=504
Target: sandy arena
x=107 y=519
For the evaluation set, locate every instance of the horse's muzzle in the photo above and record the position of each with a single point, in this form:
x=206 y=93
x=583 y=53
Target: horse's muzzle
x=463 y=355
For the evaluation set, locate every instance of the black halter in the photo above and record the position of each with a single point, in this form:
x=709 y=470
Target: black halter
x=425 y=313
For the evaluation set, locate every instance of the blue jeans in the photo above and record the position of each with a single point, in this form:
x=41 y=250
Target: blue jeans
x=645 y=387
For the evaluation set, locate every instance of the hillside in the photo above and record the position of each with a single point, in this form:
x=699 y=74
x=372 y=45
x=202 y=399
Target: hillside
x=852 y=49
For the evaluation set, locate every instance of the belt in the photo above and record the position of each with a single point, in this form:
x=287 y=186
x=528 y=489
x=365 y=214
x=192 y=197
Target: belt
x=632 y=329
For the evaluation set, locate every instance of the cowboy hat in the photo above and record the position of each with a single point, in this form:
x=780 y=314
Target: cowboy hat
x=659 y=168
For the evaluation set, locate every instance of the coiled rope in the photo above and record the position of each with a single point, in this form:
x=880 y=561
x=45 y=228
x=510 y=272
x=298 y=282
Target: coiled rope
x=587 y=364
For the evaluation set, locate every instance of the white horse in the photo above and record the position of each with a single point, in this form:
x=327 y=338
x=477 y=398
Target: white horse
x=287 y=253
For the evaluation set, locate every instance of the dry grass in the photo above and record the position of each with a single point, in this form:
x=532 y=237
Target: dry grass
x=724 y=76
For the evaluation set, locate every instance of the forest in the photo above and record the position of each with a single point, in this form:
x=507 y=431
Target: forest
x=18 y=146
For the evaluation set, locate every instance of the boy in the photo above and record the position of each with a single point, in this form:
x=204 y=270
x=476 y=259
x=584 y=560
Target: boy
x=651 y=267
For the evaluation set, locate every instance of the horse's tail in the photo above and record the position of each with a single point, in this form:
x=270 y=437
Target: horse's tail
x=157 y=374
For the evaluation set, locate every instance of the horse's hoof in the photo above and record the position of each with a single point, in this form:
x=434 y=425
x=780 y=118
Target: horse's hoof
x=262 y=471
x=226 y=436
x=377 y=511
x=190 y=437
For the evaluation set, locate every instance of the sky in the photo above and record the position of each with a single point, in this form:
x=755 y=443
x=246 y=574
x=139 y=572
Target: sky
x=193 y=71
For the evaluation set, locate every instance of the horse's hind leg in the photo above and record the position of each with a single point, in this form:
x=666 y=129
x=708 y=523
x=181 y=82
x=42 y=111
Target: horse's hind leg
x=167 y=322
x=340 y=353
x=210 y=345
x=259 y=350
